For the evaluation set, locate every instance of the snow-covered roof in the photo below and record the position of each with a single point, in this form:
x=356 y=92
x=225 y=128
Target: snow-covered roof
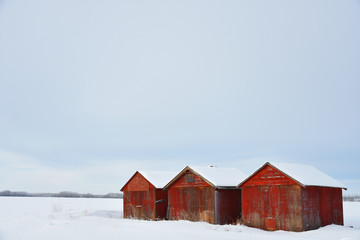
x=217 y=176
x=307 y=175
x=158 y=178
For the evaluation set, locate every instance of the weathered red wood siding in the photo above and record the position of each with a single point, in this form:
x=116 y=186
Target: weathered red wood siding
x=271 y=201
x=191 y=198
x=321 y=206
x=140 y=199
x=228 y=206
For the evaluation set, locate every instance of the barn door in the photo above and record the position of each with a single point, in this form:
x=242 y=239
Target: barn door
x=139 y=211
x=270 y=205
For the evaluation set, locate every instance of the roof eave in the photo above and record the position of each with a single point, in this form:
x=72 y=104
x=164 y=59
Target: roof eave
x=326 y=186
x=226 y=187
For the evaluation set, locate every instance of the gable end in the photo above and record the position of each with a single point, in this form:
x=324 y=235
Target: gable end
x=137 y=183
x=188 y=177
x=269 y=175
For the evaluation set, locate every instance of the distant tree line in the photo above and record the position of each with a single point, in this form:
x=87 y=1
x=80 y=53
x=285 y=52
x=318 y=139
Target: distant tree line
x=68 y=194
x=351 y=198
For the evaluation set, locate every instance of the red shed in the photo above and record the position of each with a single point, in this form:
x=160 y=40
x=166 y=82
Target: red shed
x=206 y=194
x=293 y=197
x=144 y=197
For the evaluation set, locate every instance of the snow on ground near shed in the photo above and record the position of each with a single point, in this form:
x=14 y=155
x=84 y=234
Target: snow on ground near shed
x=352 y=214
x=90 y=219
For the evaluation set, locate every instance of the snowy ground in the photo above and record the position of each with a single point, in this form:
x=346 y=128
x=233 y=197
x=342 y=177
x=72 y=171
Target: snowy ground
x=90 y=219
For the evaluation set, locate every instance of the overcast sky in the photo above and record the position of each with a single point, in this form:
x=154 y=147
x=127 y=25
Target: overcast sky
x=91 y=91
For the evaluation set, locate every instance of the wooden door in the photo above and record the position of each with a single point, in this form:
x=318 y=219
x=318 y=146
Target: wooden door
x=270 y=208
x=139 y=212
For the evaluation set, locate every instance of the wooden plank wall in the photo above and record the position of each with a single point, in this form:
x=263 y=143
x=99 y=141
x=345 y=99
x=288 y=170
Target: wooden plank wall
x=191 y=198
x=139 y=199
x=321 y=206
x=271 y=201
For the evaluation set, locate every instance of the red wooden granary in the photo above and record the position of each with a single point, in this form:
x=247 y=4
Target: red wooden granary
x=283 y=196
x=207 y=194
x=144 y=197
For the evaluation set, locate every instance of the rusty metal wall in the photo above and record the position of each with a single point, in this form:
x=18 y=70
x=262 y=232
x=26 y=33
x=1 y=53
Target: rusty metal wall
x=190 y=198
x=228 y=206
x=321 y=206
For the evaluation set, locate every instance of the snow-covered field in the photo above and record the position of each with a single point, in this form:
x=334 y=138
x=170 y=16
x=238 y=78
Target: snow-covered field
x=90 y=219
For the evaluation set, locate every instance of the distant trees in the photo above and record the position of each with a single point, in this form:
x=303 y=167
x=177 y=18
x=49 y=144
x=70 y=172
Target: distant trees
x=351 y=198
x=66 y=194
x=8 y=193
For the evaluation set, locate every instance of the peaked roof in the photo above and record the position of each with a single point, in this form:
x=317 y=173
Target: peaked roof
x=305 y=175
x=215 y=176
x=156 y=178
